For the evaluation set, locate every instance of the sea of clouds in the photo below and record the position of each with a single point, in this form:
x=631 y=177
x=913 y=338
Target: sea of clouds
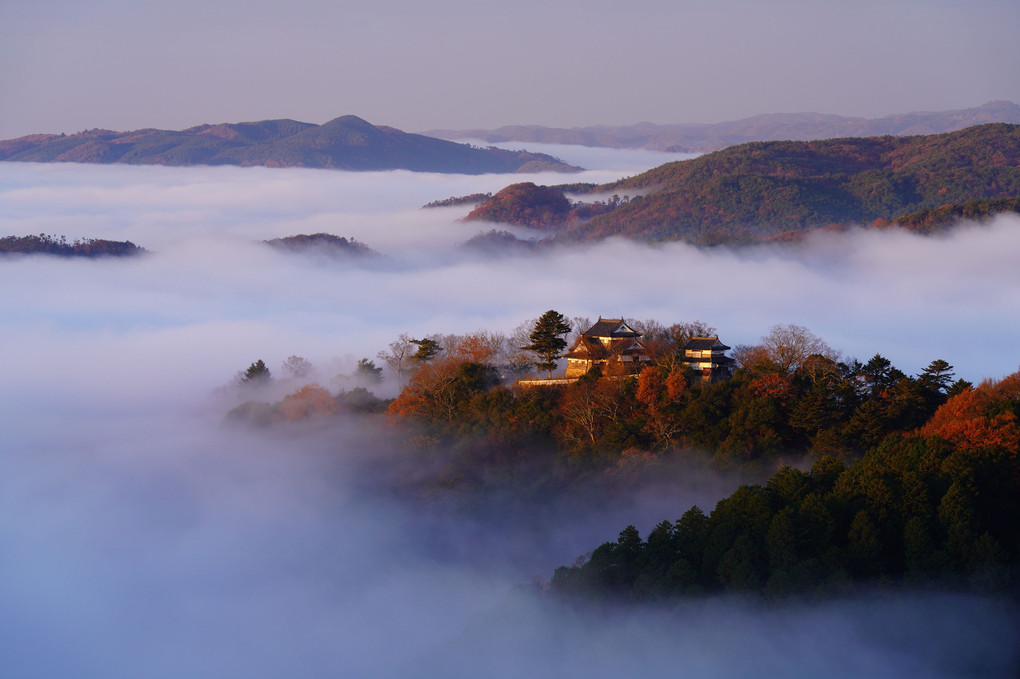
x=141 y=537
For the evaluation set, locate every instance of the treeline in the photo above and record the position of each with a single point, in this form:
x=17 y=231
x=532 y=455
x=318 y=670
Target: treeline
x=454 y=201
x=792 y=396
x=934 y=507
x=58 y=245
x=933 y=220
x=311 y=399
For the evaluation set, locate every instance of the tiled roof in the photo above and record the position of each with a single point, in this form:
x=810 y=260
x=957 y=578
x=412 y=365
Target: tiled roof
x=703 y=343
x=611 y=327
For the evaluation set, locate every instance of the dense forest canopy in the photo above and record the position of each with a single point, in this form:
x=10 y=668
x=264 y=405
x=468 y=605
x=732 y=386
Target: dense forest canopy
x=760 y=189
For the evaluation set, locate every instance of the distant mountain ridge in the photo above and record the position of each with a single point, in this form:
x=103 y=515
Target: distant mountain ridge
x=345 y=143
x=695 y=137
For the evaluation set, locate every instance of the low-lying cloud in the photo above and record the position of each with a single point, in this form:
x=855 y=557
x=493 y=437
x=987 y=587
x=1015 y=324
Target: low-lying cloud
x=140 y=537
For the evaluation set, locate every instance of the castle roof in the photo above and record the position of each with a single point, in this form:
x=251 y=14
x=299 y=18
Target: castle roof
x=611 y=327
x=703 y=343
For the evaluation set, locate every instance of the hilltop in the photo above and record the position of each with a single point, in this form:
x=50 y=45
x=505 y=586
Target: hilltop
x=696 y=137
x=345 y=143
x=325 y=245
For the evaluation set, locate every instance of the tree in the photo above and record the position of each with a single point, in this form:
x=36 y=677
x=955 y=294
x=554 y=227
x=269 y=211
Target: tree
x=547 y=341
x=257 y=373
x=428 y=349
x=367 y=371
x=684 y=331
x=311 y=400
x=398 y=357
x=787 y=346
x=938 y=375
x=439 y=390
x=298 y=367
x=879 y=373
x=478 y=347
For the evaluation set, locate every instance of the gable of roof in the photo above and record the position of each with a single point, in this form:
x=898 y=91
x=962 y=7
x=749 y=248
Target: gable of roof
x=587 y=348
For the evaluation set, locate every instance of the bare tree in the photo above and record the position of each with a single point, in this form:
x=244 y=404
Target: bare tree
x=297 y=367
x=515 y=360
x=787 y=346
x=578 y=324
x=399 y=356
x=684 y=331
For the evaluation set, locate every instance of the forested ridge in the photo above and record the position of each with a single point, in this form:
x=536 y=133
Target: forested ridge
x=913 y=478
x=747 y=192
x=763 y=190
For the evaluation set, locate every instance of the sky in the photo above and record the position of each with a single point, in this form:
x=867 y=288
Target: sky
x=70 y=65
x=140 y=536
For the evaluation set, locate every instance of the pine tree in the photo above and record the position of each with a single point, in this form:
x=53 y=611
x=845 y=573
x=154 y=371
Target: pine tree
x=257 y=373
x=547 y=341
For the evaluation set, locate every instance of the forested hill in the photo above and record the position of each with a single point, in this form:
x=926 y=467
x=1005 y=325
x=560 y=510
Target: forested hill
x=45 y=244
x=346 y=143
x=754 y=191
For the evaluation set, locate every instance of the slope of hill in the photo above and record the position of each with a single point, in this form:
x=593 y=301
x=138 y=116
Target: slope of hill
x=767 y=127
x=756 y=190
x=346 y=143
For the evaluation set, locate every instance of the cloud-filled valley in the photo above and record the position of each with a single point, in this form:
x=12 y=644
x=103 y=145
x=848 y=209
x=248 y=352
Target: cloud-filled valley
x=140 y=536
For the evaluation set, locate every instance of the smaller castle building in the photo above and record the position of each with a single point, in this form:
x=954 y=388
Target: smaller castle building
x=707 y=356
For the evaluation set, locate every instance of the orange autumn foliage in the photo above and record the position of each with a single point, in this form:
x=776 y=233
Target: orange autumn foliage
x=311 y=400
x=649 y=386
x=979 y=417
x=772 y=385
x=478 y=347
x=676 y=384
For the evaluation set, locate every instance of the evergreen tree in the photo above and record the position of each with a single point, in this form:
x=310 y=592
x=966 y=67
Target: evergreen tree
x=547 y=339
x=257 y=373
x=367 y=371
x=427 y=349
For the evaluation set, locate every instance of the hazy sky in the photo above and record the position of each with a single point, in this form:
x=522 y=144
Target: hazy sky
x=68 y=65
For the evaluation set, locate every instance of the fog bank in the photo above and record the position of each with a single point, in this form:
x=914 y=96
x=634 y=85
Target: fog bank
x=166 y=546
x=141 y=537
